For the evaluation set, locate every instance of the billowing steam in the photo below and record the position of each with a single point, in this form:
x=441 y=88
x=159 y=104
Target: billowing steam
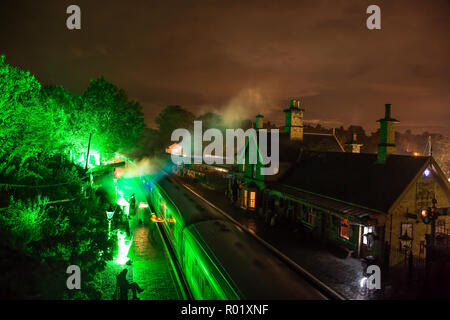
x=244 y=106
x=144 y=166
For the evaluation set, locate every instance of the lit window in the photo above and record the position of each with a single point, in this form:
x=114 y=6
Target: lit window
x=440 y=226
x=252 y=200
x=344 y=229
x=407 y=228
x=366 y=231
x=243 y=165
x=244 y=199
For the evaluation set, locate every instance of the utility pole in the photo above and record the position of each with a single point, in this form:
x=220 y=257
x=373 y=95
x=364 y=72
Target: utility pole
x=89 y=148
x=428 y=148
x=433 y=222
x=432 y=213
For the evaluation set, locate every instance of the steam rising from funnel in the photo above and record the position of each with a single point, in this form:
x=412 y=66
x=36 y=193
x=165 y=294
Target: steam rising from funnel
x=245 y=105
x=145 y=166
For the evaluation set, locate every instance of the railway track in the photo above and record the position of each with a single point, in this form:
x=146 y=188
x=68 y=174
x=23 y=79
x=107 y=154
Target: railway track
x=322 y=287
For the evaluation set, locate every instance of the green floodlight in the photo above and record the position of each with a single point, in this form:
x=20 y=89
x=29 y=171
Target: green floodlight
x=122 y=202
x=124 y=247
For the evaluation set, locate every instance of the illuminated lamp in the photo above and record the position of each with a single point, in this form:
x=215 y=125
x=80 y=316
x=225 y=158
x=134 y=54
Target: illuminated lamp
x=406 y=240
x=172 y=220
x=154 y=218
x=109 y=215
x=427 y=172
x=143 y=205
x=122 y=202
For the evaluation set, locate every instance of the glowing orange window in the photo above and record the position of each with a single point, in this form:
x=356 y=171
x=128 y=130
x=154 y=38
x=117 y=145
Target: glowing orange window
x=244 y=199
x=344 y=229
x=252 y=200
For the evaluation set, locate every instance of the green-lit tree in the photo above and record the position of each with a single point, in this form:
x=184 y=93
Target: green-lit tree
x=68 y=121
x=24 y=121
x=117 y=122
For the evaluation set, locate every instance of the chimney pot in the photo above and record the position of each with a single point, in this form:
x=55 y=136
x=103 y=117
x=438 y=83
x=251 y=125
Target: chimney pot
x=387 y=145
x=388 y=110
x=259 y=121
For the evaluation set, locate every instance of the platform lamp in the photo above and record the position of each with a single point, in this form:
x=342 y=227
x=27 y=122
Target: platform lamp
x=109 y=216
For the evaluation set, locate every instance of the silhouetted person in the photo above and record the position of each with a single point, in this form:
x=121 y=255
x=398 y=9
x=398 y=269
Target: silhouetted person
x=132 y=205
x=123 y=286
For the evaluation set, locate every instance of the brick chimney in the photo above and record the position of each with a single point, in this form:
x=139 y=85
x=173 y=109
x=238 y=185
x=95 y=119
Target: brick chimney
x=387 y=136
x=354 y=145
x=259 y=121
x=294 y=120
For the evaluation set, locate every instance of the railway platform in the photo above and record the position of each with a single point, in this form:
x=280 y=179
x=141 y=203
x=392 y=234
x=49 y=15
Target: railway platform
x=343 y=276
x=150 y=267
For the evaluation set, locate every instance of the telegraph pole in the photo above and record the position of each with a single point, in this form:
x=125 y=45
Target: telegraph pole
x=89 y=148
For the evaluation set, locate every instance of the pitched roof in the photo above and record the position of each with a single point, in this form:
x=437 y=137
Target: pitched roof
x=289 y=149
x=354 y=178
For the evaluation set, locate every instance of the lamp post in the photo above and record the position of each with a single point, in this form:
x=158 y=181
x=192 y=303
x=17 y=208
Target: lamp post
x=109 y=216
x=89 y=148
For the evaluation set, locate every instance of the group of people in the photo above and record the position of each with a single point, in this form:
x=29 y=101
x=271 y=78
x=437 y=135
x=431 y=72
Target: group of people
x=123 y=286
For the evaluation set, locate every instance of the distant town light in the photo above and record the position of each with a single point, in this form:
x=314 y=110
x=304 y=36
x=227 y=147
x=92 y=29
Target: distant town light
x=416 y=154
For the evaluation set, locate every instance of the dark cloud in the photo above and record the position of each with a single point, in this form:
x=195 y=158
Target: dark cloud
x=246 y=55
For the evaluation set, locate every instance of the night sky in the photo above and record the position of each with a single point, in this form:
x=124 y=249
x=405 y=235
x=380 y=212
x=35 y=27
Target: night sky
x=241 y=57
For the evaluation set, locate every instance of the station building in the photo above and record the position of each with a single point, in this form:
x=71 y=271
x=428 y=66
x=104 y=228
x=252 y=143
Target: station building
x=360 y=204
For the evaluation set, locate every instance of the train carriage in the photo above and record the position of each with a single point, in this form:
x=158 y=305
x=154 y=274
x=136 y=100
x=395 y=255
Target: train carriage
x=218 y=259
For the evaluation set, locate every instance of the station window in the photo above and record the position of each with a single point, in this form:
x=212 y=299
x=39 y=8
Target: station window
x=309 y=215
x=440 y=226
x=252 y=199
x=406 y=229
x=366 y=231
x=344 y=231
x=244 y=199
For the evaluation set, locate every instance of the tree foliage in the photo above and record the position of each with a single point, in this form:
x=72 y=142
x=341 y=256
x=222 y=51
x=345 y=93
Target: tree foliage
x=24 y=120
x=116 y=122
x=39 y=126
x=38 y=122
